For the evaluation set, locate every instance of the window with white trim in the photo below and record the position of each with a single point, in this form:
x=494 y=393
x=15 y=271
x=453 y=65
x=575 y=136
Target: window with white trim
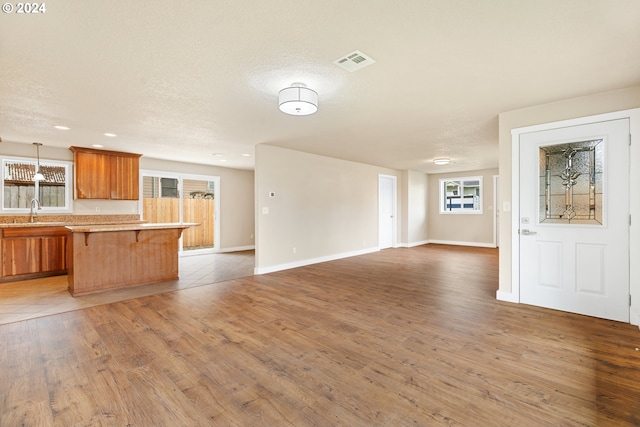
x=19 y=188
x=461 y=195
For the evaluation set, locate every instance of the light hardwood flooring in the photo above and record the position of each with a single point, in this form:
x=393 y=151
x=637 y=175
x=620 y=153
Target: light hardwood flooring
x=401 y=337
x=29 y=299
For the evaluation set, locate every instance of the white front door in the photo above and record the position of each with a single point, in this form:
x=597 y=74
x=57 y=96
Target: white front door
x=386 y=211
x=574 y=219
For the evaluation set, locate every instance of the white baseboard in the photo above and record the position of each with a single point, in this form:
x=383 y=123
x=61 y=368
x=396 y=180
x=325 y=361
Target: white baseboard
x=413 y=244
x=301 y=263
x=237 y=249
x=634 y=317
x=506 y=296
x=455 y=242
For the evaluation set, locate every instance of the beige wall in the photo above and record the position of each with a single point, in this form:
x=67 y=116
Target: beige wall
x=562 y=110
x=323 y=207
x=416 y=193
x=465 y=229
x=237 y=192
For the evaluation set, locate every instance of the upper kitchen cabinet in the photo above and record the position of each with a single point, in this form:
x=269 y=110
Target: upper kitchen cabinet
x=102 y=174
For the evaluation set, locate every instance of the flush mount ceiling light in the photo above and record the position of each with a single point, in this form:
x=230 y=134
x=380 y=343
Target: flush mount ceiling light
x=38 y=176
x=442 y=161
x=298 y=100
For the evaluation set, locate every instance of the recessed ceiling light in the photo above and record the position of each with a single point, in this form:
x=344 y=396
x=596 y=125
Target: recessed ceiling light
x=245 y=155
x=61 y=127
x=442 y=161
x=97 y=145
x=110 y=135
x=223 y=160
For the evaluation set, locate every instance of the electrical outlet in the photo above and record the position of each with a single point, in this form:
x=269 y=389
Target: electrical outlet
x=97 y=208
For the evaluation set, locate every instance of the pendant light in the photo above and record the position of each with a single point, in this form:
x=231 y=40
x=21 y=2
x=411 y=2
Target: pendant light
x=38 y=176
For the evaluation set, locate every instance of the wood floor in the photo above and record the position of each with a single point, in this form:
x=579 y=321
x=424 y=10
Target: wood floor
x=29 y=299
x=402 y=337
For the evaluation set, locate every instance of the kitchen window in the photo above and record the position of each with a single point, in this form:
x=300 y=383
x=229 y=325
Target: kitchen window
x=461 y=195
x=19 y=189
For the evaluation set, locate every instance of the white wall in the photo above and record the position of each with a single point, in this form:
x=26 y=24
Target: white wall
x=324 y=208
x=415 y=222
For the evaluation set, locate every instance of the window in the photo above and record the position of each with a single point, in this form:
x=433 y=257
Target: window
x=461 y=195
x=19 y=189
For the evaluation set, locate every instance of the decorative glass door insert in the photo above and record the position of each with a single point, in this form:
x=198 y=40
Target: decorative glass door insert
x=571 y=190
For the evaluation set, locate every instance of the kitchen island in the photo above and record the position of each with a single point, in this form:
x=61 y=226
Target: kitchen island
x=104 y=257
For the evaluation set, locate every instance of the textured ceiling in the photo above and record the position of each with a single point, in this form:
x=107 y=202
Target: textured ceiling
x=189 y=80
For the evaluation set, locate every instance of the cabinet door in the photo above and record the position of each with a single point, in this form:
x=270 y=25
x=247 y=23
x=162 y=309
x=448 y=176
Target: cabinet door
x=20 y=256
x=92 y=175
x=124 y=178
x=54 y=254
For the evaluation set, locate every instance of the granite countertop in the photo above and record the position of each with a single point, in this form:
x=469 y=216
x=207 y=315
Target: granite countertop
x=61 y=220
x=91 y=228
x=33 y=224
x=61 y=224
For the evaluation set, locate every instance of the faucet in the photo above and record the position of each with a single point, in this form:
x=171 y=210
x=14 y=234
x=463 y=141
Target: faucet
x=34 y=203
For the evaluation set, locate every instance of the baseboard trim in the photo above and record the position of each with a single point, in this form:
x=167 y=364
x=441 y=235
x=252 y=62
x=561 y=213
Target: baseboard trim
x=302 y=263
x=506 y=296
x=458 y=243
x=236 y=249
x=413 y=244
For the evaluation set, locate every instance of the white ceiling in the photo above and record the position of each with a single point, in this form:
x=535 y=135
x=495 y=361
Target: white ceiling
x=186 y=80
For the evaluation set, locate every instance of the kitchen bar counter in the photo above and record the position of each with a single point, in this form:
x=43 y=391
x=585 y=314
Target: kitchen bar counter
x=104 y=257
x=99 y=228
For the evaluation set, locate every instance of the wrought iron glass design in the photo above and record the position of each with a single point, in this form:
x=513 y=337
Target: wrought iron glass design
x=571 y=183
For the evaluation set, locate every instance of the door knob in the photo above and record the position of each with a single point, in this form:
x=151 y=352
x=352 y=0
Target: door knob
x=526 y=232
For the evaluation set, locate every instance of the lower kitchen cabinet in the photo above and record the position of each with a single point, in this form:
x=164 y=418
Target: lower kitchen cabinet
x=29 y=252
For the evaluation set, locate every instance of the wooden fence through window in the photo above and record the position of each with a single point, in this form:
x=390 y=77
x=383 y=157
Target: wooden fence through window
x=201 y=211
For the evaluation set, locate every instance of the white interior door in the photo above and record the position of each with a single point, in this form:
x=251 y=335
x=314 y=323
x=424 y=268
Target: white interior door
x=574 y=219
x=387 y=211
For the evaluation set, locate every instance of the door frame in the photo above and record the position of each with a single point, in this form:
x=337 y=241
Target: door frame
x=634 y=199
x=394 y=201
x=496 y=211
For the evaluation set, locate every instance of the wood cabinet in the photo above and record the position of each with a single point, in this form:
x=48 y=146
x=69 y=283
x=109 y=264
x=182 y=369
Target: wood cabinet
x=101 y=174
x=33 y=252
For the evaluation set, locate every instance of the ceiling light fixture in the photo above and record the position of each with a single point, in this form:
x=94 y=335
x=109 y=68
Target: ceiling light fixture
x=61 y=127
x=38 y=176
x=298 y=100
x=110 y=135
x=442 y=161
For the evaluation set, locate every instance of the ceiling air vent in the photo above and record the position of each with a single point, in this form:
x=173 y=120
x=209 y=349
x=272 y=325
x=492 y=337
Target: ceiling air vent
x=354 y=61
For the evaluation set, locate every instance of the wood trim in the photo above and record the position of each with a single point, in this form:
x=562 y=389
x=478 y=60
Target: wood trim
x=76 y=149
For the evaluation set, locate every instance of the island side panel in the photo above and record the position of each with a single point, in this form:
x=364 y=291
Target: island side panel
x=99 y=261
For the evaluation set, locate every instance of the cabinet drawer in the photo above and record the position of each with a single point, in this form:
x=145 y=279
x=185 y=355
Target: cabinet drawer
x=34 y=232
